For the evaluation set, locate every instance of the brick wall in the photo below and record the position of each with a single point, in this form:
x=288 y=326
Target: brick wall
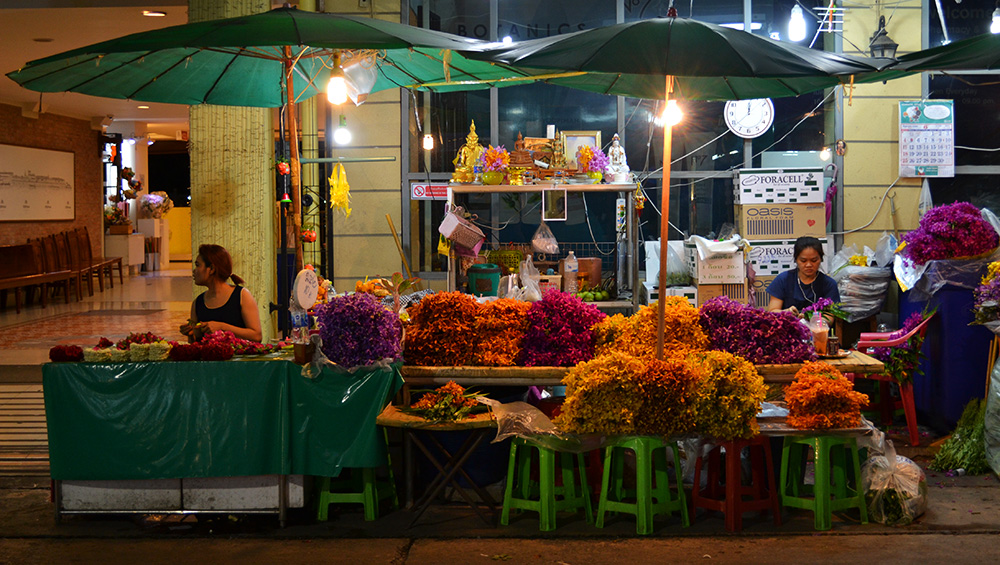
x=58 y=133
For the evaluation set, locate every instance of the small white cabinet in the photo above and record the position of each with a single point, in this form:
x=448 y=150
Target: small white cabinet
x=131 y=248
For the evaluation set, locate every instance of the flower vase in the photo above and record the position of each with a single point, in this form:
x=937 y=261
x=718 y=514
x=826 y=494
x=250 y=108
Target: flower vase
x=492 y=177
x=595 y=176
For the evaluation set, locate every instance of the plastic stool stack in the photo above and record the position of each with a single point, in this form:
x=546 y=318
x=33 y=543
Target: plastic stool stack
x=524 y=494
x=832 y=491
x=652 y=498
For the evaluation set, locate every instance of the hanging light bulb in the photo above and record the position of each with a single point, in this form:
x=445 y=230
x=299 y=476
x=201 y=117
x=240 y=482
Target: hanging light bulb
x=507 y=40
x=342 y=135
x=336 y=90
x=824 y=155
x=428 y=142
x=796 y=25
x=673 y=114
x=995 y=26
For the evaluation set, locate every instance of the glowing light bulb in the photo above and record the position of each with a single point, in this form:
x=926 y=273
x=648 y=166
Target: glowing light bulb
x=507 y=40
x=428 y=142
x=825 y=154
x=336 y=90
x=995 y=26
x=796 y=25
x=342 y=135
x=673 y=114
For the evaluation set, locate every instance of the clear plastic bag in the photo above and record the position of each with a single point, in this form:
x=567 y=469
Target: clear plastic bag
x=520 y=419
x=991 y=418
x=895 y=488
x=544 y=241
x=531 y=291
x=862 y=289
x=677 y=269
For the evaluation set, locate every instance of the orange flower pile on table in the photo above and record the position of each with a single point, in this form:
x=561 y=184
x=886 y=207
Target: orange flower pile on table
x=669 y=389
x=441 y=330
x=821 y=397
x=445 y=404
x=729 y=396
x=499 y=332
x=636 y=334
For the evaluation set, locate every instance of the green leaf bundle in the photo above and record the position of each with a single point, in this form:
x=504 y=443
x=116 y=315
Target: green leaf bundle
x=966 y=449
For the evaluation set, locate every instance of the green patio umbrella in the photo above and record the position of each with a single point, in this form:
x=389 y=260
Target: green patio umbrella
x=686 y=57
x=268 y=60
x=981 y=52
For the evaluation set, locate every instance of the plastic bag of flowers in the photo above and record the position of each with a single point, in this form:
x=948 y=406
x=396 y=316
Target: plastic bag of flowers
x=357 y=330
x=558 y=333
x=895 y=488
x=758 y=336
x=445 y=404
x=499 y=330
x=821 y=397
x=636 y=334
x=729 y=395
x=440 y=330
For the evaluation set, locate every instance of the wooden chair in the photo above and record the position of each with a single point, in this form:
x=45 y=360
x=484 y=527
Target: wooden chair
x=81 y=268
x=63 y=262
x=887 y=405
x=104 y=264
x=50 y=257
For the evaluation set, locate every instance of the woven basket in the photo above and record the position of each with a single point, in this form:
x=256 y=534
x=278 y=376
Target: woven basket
x=460 y=230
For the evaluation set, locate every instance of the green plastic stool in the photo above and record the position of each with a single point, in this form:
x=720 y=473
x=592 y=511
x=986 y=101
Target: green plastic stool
x=524 y=494
x=832 y=491
x=360 y=487
x=650 y=499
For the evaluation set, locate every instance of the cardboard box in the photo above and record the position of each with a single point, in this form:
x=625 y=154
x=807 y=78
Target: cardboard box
x=780 y=186
x=728 y=269
x=781 y=221
x=737 y=292
x=759 y=290
x=651 y=294
x=771 y=258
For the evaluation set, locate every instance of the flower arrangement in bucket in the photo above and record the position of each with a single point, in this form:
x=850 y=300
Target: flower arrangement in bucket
x=494 y=161
x=116 y=220
x=592 y=161
x=155 y=204
x=950 y=231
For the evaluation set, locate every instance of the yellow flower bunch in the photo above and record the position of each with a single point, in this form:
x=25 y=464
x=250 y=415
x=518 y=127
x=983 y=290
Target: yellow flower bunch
x=729 y=395
x=583 y=156
x=859 y=260
x=636 y=335
x=602 y=396
x=991 y=272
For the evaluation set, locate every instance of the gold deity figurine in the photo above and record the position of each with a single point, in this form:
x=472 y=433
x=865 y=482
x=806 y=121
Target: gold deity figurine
x=468 y=157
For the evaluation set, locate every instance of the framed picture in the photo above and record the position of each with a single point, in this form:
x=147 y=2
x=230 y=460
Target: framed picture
x=540 y=148
x=554 y=204
x=573 y=140
x=36 y=184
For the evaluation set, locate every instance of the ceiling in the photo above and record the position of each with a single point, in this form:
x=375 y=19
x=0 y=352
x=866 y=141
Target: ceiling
x=62 y=25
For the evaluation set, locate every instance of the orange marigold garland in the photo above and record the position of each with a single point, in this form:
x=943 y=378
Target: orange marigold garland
x=636 y=335
x=499 y=332
x=441 y=330
x=729 y=395
x=821 y=397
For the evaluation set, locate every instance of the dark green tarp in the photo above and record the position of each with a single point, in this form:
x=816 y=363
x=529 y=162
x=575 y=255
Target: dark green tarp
x=211 y=419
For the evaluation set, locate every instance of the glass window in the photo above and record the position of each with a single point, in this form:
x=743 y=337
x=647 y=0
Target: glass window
x=962 y=20
x=977 y=123
x=531 y=19
x=980 y=190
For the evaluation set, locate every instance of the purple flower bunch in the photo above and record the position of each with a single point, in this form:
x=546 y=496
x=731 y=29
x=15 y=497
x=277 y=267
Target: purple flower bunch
x=818 y=306
x=357 y=330
x=950 y=231
x=558 y=332
x=903 y=360
x=755 y=335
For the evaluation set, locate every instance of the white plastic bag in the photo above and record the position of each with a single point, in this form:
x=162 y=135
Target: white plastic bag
x=531 y=291
x=895 y=488
x=544 y=241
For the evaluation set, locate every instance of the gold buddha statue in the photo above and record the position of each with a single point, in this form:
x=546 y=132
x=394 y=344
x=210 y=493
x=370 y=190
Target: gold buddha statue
x=468 y=157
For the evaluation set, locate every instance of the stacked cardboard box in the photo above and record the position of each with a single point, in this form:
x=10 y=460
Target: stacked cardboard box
x=717 y=276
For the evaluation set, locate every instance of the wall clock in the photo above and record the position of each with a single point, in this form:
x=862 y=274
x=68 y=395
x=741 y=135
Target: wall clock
x=749 y=118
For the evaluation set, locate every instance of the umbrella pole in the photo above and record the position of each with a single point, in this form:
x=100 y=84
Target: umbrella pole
x=664 y=220
x=293 y=143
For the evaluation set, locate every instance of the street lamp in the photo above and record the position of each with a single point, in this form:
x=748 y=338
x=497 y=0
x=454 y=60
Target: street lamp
x=881 y=45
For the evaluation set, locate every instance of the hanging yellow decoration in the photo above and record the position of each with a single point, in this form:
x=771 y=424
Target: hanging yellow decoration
x=340 y=191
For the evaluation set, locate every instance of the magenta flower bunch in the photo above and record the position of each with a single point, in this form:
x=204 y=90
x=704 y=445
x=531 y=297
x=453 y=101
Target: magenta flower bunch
x=357 y=330
x=755 y=335
x=558 y=332
x=950 y=231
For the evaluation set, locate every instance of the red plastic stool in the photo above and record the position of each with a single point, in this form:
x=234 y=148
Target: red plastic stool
x=734 y=498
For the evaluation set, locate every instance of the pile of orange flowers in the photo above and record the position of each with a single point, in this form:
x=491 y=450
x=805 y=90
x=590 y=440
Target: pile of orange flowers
x=820 y=397
x=499 y=330
x=669 y=389
x=636 y=335
x=729 y=396
x=448 y=403
x=441 y=330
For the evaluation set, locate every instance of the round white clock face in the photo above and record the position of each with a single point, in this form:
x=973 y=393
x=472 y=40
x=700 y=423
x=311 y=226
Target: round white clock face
x=749 y=118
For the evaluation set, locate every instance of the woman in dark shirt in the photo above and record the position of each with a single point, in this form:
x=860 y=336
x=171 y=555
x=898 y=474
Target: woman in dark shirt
x=802 y=286
x=223 y=306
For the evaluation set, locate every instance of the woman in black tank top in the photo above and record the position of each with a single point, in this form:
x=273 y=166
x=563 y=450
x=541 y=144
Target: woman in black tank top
x=223 y=306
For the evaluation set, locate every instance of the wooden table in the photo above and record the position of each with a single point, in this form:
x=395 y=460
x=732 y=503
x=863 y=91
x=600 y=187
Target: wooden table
x=855 y=362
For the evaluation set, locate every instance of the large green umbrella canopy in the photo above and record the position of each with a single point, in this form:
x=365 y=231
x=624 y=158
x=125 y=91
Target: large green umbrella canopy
x=267 y=60
x=981 y=52
x=687 y=57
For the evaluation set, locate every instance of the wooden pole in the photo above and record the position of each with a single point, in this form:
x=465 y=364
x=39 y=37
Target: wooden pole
x=399 y=247
x=664 y=219
x=293 y=142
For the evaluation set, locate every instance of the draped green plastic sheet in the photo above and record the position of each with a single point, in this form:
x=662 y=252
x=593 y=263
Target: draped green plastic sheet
x=210 y=419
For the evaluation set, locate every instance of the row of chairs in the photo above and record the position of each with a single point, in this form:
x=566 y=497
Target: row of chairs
x=71 y=251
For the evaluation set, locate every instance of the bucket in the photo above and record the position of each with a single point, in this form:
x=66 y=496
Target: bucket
x=484 y=279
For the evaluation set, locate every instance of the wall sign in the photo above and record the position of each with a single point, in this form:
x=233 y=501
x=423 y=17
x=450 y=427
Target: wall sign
x=36 y=184
x=926 y=138
x=424 y=191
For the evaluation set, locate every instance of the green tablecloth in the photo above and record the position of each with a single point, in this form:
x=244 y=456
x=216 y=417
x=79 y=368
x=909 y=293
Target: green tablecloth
x=161 y=420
